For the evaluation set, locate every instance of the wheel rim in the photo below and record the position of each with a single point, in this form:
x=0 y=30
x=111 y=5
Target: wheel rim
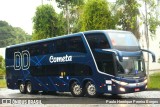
x=77 y=89
x=21 y=88
x=91 y=89
x=29 y=87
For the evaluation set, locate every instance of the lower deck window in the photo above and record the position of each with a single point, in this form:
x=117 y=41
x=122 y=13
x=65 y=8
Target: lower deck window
x=57 y=69
x=105 y=62
x=106 y=67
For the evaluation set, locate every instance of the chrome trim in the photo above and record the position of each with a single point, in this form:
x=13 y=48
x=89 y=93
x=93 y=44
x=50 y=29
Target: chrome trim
x=131 y=84
x=136 y=84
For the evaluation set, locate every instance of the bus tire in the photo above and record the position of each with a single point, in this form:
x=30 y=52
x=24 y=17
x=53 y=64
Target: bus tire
x=76 y=90
x=90 y=89
x=22 y=88
x=30 y=89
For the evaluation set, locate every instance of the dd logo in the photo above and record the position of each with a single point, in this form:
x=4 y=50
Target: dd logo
x=21 y=60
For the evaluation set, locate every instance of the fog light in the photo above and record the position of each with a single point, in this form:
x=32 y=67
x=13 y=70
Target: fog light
x=122 y=89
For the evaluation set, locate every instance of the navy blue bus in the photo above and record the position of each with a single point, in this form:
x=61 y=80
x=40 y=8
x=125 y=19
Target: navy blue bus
x=86 y=63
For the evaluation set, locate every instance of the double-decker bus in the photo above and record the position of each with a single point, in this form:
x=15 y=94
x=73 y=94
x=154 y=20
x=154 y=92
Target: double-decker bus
x=85 y=63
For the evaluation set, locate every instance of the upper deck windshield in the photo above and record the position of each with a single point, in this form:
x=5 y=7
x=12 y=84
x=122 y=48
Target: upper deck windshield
x=123 y=41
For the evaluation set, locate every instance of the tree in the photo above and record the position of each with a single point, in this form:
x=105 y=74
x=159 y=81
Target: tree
x=21 y=35
x=128 y=13
x=69 y=7
x=151 y=22
x=151 y=15
x=44 y=22
x=47 y=23
x=1 y=62
x=61 y=24
x=2 y=65
x=75 y=13
x=96 y=15
x=10 y=35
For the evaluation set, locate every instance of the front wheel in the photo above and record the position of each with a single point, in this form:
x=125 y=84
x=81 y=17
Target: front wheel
x=90 y=89
x=76 y=90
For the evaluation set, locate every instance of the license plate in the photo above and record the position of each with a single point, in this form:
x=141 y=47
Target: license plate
x=136 y=89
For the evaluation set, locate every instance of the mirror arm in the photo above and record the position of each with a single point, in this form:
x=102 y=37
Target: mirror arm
x=153 y=55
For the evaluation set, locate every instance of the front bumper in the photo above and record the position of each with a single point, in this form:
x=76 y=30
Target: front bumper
x=120 y=87
x=125 y=89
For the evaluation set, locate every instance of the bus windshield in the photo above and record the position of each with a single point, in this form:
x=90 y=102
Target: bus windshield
x=131 y=66
x=123 y=39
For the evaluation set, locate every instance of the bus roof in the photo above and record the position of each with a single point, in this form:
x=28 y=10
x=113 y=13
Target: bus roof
x=63 y=36
x=44 y=40
x=107 y=31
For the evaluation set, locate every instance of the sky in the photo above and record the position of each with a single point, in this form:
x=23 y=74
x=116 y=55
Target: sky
x=19 y=13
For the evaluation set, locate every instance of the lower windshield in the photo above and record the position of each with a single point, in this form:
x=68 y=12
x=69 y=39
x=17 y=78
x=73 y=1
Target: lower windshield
x=131 y=66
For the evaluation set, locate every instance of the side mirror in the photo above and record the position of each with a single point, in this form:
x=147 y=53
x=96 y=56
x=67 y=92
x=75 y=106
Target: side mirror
x=153 y=55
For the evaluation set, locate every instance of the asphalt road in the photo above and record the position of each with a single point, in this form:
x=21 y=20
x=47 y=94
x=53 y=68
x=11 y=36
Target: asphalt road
x=66 y=99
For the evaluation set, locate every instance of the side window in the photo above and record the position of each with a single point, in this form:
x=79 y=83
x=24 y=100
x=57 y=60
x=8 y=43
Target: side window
x=51 y=47
x=9 y=53
x=105 y=63
x=34 y=50
x=78 y=70
x=57 y=69
x=97 y=40
x=72 y=44
x=39 y=49
x=44 y=48
x=60 y=46
x=75 y=44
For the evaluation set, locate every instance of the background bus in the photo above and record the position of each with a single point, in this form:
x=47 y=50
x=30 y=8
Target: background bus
x=86 y=63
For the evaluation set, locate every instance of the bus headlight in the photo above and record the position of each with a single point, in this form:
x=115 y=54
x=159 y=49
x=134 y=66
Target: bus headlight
x=122 y=89
x=119 y=82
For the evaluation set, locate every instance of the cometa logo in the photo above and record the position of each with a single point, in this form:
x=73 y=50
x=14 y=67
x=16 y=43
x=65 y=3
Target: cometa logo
x=66 y=58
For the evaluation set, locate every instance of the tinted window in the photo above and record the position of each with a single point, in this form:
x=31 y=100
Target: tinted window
x=57 y=69
x=34 y=50
x=105 y=63
x=97 y=40
x=72 y=44
x=61 y=45
x=76 y=45
x=9 y=53
x=42 y=48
